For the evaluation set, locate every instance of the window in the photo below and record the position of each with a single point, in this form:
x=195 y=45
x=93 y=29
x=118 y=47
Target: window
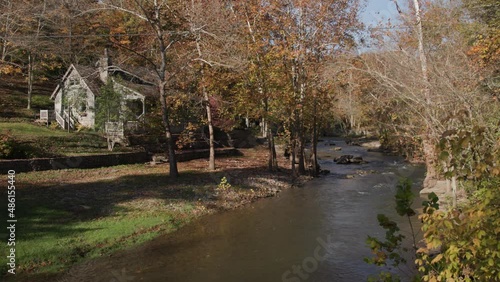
x=134 y=108
x=74 y=81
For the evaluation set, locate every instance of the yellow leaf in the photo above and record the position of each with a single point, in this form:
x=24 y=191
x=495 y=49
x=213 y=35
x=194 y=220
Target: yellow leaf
x=448 y=224
x=437 y=258
x=476 y=242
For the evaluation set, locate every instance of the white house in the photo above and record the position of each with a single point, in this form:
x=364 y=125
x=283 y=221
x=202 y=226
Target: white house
x=75 y=97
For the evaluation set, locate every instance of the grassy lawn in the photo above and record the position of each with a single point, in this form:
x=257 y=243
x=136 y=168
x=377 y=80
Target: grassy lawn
x=66 y=217
x=40 y=141
x=27 y=131
x=69 y=216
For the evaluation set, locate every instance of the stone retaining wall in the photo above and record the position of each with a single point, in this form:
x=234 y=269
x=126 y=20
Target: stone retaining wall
x=93 y=161
x=201 y=154
x=96 y=161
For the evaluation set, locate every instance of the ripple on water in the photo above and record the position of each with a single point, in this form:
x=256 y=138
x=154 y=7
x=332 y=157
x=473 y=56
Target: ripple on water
x=381 y=186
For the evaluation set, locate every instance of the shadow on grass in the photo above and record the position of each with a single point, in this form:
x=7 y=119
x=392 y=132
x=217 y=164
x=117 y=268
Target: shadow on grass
x=50 y=211
x=63 y=213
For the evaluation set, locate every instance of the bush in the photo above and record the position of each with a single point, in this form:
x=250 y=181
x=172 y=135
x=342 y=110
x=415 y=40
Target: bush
x=10 y=148
x=459 y=244
x=224 y=185
x=7 y=145
x=467 y=238
x=42 y=102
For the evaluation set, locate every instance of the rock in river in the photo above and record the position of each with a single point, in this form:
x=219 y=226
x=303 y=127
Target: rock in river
x=349 y=159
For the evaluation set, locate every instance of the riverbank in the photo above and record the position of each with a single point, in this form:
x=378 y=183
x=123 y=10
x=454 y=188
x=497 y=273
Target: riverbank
x=69 y=216
x=268 y=239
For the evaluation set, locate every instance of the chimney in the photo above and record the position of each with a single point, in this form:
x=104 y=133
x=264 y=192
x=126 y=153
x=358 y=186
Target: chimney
x=104 y=65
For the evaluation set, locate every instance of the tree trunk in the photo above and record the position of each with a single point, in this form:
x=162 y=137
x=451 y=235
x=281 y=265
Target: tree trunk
x=211 y=160
x=314 y=156
x=172 y=160
x=428 y=146
x=263 y=127
x=273 y=161
x=293 y=148
x=208 y=109
x=454 y=189
x=299 y=142
x=302 y=167
x=4 y=50
x=30 y=78
x=431 y=175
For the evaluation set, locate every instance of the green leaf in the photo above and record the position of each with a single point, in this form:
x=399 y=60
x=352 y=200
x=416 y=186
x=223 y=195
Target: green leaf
x=465 y=142
x=444 y=155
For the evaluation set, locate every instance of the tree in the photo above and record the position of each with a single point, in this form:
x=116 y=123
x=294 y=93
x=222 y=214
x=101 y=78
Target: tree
x=261 y=68
x=77 y=31
x=9 y=25
x=423 y=78
x=484 y=35
x=31 y=25
x=215 y=39
x=108 y=105
x=307 y=33
x=164 y=23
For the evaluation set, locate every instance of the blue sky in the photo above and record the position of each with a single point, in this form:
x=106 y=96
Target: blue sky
x=377 y=10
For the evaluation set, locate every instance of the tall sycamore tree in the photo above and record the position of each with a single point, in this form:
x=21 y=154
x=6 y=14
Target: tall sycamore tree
x=262 y=75
x=167 y=30
x=214 y=35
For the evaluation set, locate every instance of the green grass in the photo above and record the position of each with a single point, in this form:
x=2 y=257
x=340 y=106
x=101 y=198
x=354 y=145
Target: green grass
x=30 y=131
x=42 y=102
x=39 y=141
x=67 y=217
x=50 y=243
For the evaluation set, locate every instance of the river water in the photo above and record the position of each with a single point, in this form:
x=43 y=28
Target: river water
x=313 y=233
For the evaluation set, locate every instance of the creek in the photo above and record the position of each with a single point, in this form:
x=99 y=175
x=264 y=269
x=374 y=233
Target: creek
x=313 y=233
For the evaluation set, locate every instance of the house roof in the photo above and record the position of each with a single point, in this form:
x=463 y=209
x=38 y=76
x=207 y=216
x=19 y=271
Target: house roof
x=145 y=89
x=91 y=78
x=138 y=79
x=141 y=73
x=89 y=75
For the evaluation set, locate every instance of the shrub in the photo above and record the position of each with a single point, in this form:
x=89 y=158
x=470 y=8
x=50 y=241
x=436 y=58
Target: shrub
x=10 y=148
x=467 y=238
x=7 y=145
x=224 y=185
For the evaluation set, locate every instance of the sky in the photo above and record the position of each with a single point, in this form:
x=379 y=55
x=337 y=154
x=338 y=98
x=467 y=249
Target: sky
x=377 y=10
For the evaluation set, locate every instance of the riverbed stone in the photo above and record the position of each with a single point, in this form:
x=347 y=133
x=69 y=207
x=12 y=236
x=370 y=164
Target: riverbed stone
x=349 y=159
